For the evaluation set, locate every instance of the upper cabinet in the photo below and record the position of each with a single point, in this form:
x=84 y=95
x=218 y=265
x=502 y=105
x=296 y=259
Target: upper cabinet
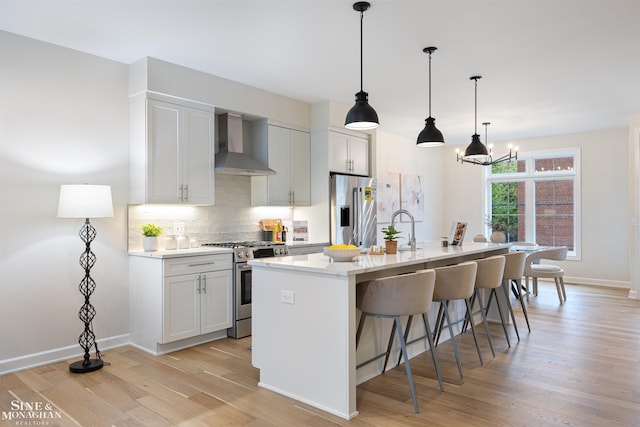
x=348 y=154
x=288 y=152
x=172 y=151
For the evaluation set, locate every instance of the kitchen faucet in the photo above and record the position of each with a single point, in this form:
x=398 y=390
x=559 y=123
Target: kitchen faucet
x=412 y=238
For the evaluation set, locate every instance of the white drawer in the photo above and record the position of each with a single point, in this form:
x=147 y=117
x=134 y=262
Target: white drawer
x=197 y=264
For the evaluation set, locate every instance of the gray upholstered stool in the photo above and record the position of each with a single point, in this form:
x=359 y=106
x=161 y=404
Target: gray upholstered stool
x=455 y=282
x=489 y=276
x=392 y=297
x=513 y=273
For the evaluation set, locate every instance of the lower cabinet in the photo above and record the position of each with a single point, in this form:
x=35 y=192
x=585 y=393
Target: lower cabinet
x=179 y=298
x=196 y=304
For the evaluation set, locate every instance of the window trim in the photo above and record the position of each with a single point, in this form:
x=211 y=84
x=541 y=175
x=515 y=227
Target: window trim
x=530 y=175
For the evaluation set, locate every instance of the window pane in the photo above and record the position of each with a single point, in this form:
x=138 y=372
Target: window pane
x=508 y=167
x=554 y=213
x=508 y=209
x=554 y=164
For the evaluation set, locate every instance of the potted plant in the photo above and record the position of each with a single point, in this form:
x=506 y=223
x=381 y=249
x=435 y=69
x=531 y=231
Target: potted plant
x=499 y=229
x=390 y=236
x=150 y=233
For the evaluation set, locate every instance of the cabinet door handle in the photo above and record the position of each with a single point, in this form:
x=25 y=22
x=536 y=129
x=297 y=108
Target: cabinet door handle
x=186 y=190
x=202 y=263
x=204 y=283
x=198 y=279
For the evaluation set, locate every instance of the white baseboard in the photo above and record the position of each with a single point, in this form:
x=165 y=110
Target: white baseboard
x=598 y=282
x=51 y=356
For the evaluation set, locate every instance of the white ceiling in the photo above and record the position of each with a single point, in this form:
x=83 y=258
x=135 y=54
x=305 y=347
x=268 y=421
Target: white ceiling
x=548 y=66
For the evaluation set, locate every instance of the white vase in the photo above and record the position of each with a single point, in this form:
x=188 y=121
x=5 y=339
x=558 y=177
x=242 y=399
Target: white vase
x=498 y=237
x=150 y=243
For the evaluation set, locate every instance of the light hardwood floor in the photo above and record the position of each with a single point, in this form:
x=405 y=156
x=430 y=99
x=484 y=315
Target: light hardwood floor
x=580 y=366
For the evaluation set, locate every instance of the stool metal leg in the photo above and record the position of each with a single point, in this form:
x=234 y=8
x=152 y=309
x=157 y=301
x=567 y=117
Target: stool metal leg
x=389 y=345
x=473 y=331
x=505 y=288
x=406 y=337
x=522 y=304
x=359 y=331
x=406 y=362
x=486 y=324
x=432 y=349
x=453 y=339
x=504 y=326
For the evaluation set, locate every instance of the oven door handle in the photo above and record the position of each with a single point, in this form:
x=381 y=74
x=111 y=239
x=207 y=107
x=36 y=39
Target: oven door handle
x=243 y=266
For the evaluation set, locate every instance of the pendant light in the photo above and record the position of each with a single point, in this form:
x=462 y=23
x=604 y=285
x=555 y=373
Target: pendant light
x=430 y=135
x=477 y=152
x=362 y=116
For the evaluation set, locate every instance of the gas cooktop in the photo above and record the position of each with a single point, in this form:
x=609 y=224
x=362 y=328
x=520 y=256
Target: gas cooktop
x=246 y=244
x=243 y=251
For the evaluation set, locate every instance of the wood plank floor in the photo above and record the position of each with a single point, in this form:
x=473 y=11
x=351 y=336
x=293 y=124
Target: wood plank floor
x=580 y=366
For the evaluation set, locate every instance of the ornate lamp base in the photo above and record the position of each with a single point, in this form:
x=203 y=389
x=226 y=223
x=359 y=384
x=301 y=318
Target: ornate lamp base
x=87 y=312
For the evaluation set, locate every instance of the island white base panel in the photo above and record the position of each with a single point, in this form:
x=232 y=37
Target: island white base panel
x=301 y=338
x=303 y=341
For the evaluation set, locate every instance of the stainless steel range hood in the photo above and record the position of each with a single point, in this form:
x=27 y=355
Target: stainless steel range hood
x=231 y=158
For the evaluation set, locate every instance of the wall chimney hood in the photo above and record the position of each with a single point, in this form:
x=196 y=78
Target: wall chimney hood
x=231 y=158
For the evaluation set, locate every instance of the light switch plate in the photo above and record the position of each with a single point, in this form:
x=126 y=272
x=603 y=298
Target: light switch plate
x=179 y=228
x=287 y=297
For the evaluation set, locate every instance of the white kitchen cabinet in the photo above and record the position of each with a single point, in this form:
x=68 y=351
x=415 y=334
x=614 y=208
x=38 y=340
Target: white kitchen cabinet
x=288 y=152
x=180 y=298
x=172 y=152
x=348 y=154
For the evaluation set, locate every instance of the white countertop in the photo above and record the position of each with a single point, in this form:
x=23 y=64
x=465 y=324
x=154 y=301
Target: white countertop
x=364 y=263
x=164 y=253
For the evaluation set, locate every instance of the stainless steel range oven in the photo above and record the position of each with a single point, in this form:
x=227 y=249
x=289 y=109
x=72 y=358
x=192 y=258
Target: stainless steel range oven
x=243 y=252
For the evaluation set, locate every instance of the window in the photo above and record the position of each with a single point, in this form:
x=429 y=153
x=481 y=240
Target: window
x=537 y=198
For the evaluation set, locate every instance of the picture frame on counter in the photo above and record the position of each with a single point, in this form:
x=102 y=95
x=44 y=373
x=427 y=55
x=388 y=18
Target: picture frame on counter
x=456 y=235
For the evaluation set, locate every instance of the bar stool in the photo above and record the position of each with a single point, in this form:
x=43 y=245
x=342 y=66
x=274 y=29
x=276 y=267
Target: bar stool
x=488 y=276
x=513 y=273
x=392 y=297
x=454 y=282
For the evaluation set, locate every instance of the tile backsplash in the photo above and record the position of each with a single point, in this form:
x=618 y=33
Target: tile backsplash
x=232 y=218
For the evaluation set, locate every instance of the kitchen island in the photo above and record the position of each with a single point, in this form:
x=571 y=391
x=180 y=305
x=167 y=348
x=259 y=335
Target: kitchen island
x=304 y=320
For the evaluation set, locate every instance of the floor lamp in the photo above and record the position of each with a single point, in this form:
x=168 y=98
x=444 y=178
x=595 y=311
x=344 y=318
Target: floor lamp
x=86 y=201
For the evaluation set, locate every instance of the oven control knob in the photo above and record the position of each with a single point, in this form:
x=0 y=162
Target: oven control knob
x=247 y=254
x=240 y=254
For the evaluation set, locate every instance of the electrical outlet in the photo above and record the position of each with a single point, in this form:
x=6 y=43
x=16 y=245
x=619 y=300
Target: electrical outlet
x=287 y=297
x=178 y=228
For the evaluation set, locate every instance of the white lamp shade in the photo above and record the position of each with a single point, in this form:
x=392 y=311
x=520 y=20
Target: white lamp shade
x=85 y=201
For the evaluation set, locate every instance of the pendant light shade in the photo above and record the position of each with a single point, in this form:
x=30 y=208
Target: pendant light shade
x=430 y=135
x=362 y=116
x=476 y=150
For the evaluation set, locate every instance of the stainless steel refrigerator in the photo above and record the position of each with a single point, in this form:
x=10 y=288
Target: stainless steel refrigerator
x=354 y=210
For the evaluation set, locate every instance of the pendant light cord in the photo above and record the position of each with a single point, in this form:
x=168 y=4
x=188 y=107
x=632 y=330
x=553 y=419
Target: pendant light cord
x=476 y=107
x=361 y=56
x=429 y=83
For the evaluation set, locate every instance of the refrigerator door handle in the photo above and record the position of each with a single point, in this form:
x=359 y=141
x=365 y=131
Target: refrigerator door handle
x=357 y=217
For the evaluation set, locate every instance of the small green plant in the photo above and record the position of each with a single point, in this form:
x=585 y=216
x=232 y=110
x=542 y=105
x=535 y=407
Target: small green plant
x=390 y=233
x=151 y=230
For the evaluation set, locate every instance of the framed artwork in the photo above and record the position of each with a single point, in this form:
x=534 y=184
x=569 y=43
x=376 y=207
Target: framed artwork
x=412 y=197
x=456 y=236
x=388 y=195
